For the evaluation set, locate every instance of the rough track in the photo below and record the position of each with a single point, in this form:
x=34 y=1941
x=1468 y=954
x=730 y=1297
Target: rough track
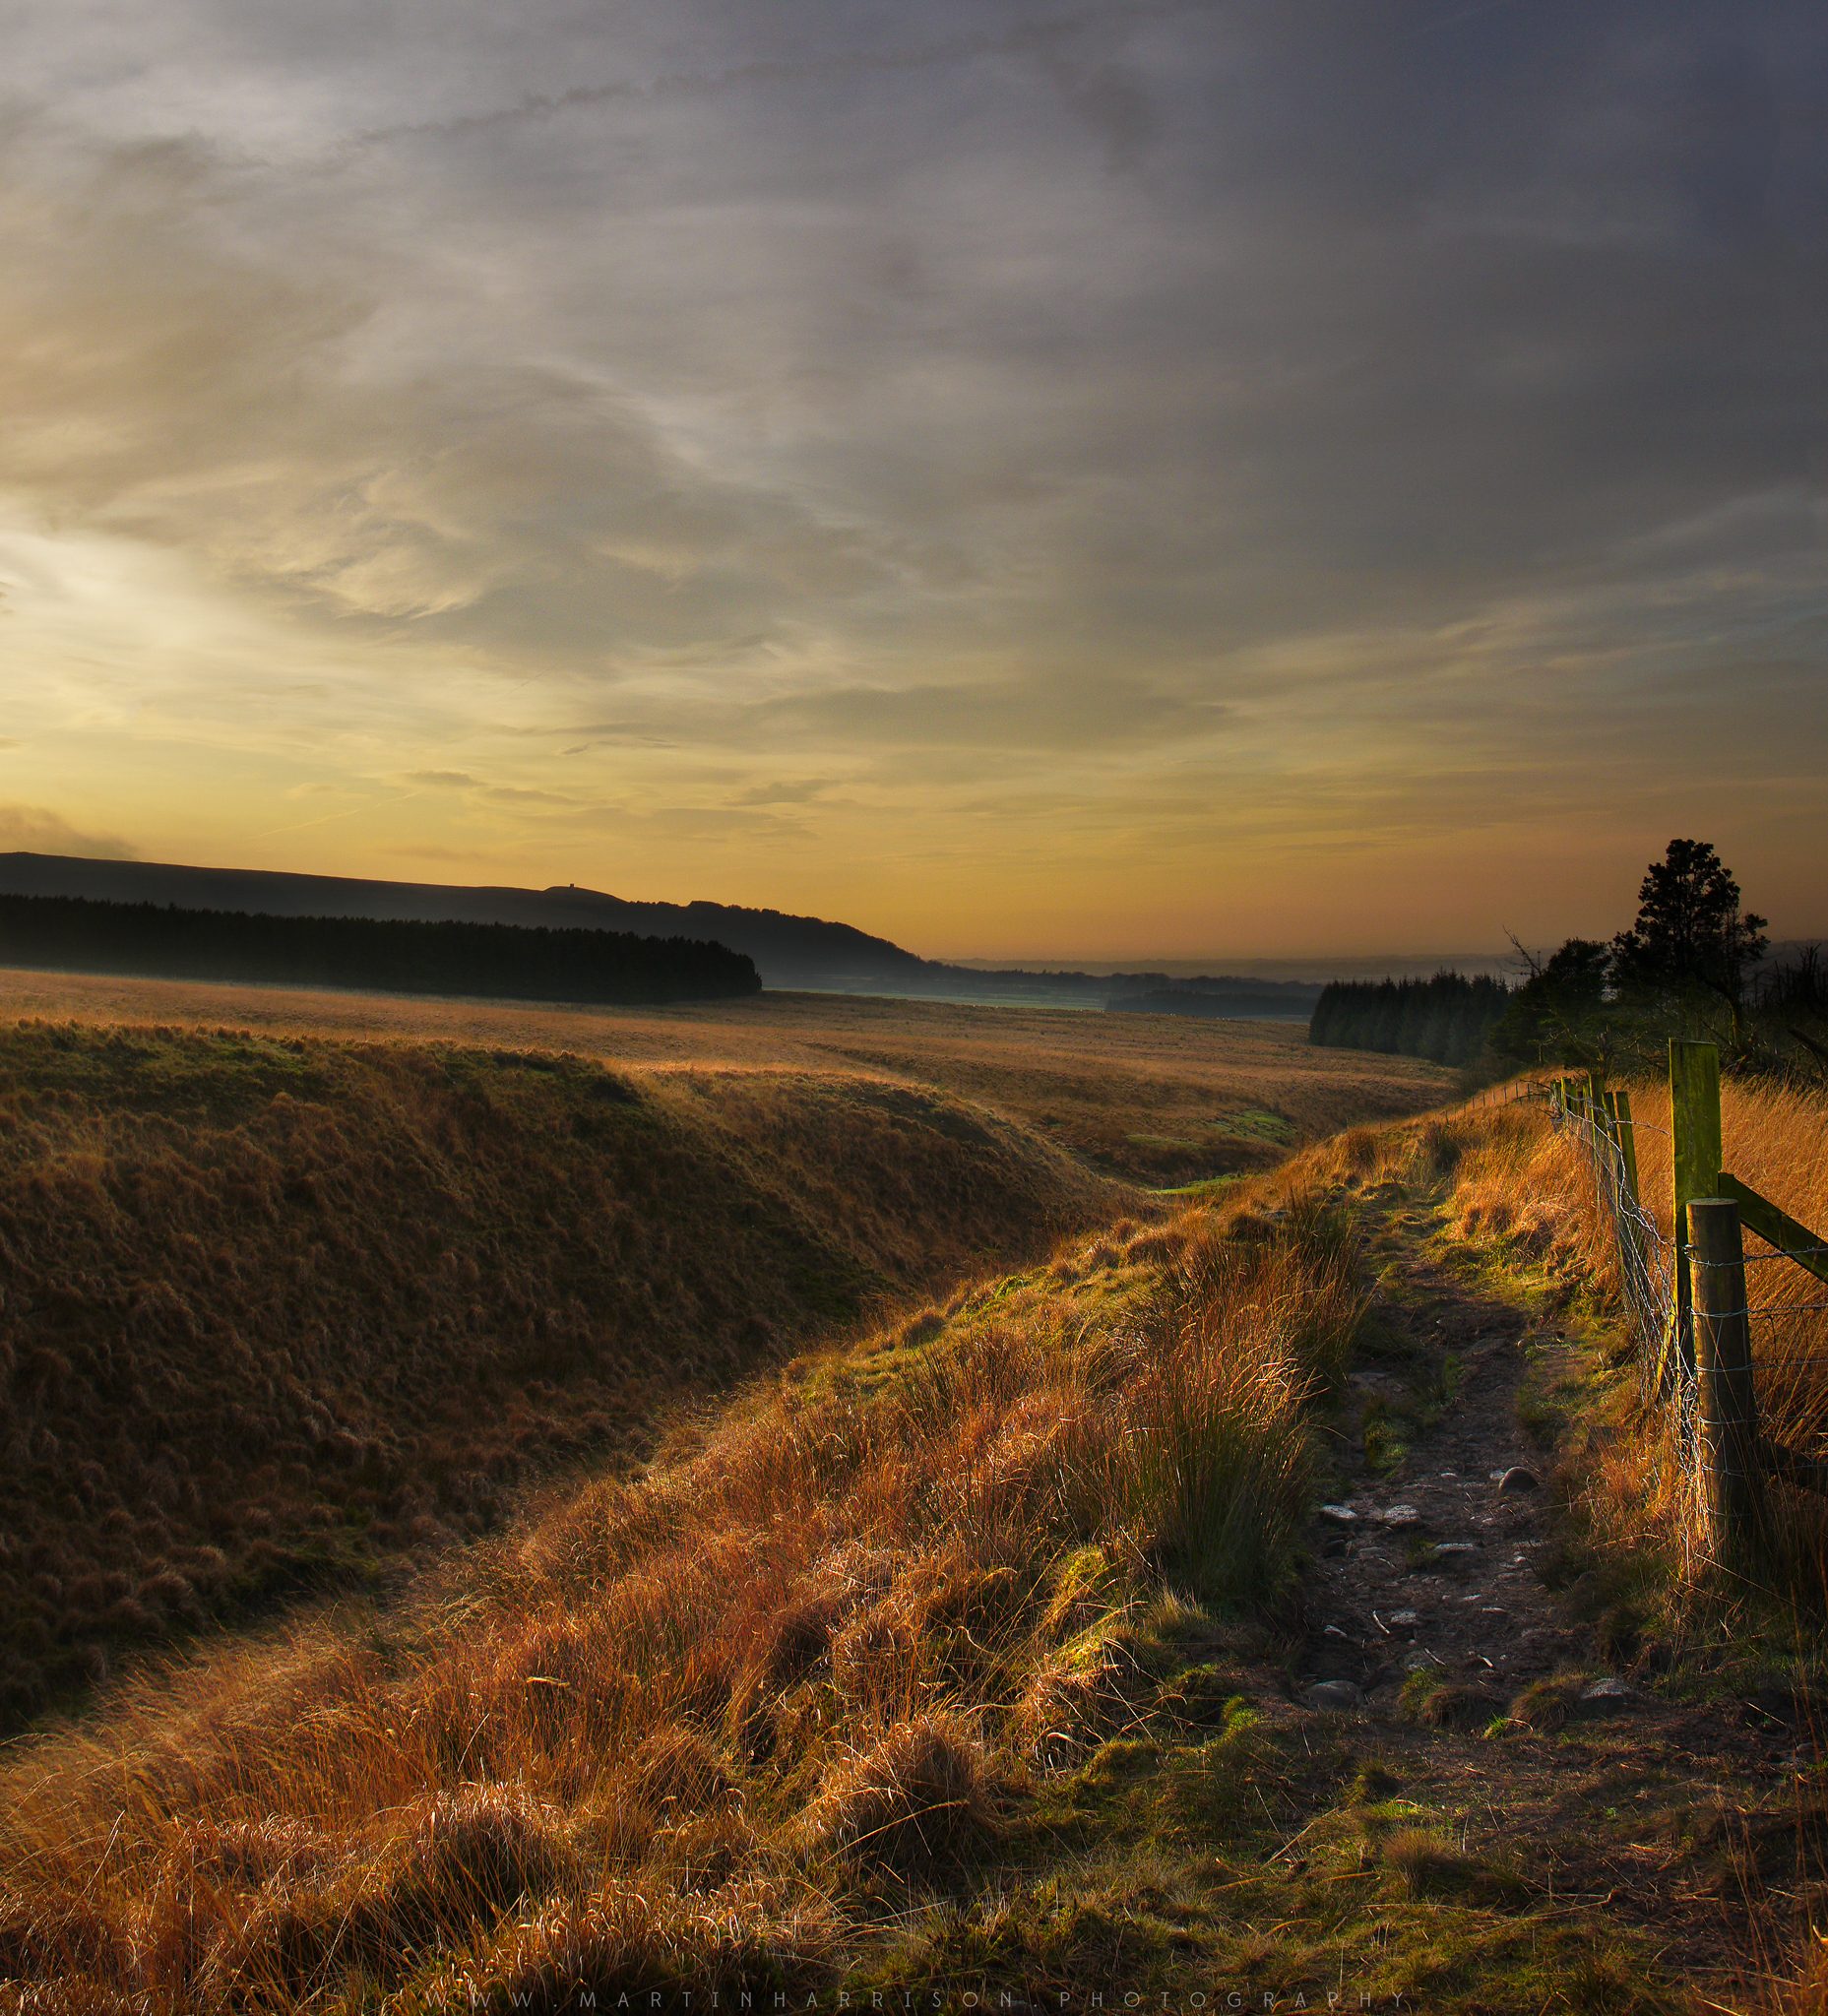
x=1439 y=1566
x=1704 y=1821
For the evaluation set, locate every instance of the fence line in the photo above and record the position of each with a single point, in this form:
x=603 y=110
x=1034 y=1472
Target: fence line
x=1685 y=1294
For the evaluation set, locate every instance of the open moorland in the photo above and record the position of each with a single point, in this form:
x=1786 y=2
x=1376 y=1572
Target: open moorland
x=277 y=1311
x=1002 y=1647
x=1159 y=1099
x=579 y=1507
x=282 y=1309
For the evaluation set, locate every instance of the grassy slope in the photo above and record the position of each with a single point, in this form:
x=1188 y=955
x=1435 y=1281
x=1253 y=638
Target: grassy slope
x=1156 y=1097
x=275 y=1311
x=1522 y=1196
x=716 y=1721
x=961 y=1653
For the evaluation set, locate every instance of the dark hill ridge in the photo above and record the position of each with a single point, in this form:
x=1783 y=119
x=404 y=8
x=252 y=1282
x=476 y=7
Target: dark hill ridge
x=789 y=951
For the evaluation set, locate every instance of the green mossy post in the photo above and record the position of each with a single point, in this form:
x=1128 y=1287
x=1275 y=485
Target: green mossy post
x=1694 y=1129
x=1732 y=1473
x=1599 y=1107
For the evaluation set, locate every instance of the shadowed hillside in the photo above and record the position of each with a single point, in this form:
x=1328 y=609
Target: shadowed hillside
x=275 y=1311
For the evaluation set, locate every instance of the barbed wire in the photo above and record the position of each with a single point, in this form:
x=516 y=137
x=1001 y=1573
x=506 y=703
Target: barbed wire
x=1755 y=1259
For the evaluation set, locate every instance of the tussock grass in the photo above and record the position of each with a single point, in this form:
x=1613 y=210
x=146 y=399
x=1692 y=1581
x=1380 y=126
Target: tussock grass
x=275 y=1313
x=714 y=1721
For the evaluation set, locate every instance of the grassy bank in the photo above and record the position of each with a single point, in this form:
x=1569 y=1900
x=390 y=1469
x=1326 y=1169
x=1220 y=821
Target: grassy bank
x=747 y=1715
x=276 y=1312
x=981 y=1652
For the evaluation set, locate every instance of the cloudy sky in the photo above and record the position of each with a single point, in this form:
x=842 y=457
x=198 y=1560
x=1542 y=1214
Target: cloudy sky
x=1029 y=478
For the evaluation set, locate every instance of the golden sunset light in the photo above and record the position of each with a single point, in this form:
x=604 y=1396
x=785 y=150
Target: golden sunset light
x=1246 y=488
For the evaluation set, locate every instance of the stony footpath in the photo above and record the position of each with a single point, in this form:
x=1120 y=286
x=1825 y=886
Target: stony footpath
x=1438 y=1643
x=1436 y=1568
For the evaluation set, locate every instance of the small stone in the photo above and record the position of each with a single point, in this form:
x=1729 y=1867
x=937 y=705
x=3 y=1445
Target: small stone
x=1404 y=1620
x=1609 y=1688
x=1453 y=1549
x=1420 y=1662
x=1341 y=1515
x=1400 y=1515
x=1337 y=1695
x=1517 y=1479
x=1334 y=1631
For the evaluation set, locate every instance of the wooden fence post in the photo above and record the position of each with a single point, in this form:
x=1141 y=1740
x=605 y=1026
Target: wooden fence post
x=1627 y=1140
x=1599 y=1104
x=1628 y=1216
x=1694 y=1163
x=1731 y=1470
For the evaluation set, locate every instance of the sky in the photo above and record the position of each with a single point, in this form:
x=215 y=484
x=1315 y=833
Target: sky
x=1029 y=478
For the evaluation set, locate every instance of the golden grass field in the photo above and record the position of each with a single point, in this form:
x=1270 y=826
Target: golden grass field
x=909 y=1626
x=371 y=1279
x=1159 y=1099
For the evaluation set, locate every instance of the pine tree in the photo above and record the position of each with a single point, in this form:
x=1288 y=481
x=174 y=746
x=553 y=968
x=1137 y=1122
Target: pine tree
x=1689 y=930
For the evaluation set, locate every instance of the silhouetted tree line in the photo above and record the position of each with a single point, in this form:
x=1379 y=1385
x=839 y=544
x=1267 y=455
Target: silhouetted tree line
x=1446 y=1018
x=387 y=956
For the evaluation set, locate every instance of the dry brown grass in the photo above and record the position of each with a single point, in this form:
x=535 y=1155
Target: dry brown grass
x=1162 y=1099
x=274 y=1312
x=709 y=1722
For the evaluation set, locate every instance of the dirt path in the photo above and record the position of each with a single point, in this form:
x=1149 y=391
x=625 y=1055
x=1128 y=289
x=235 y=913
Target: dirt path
x=1436 y=1634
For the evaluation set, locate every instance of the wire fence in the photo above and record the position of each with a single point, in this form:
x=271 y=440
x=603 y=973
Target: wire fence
x=1725 y=1363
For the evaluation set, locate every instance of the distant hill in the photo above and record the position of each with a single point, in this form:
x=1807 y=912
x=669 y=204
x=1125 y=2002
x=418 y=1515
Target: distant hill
x=788 y=951
x=810 y=953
